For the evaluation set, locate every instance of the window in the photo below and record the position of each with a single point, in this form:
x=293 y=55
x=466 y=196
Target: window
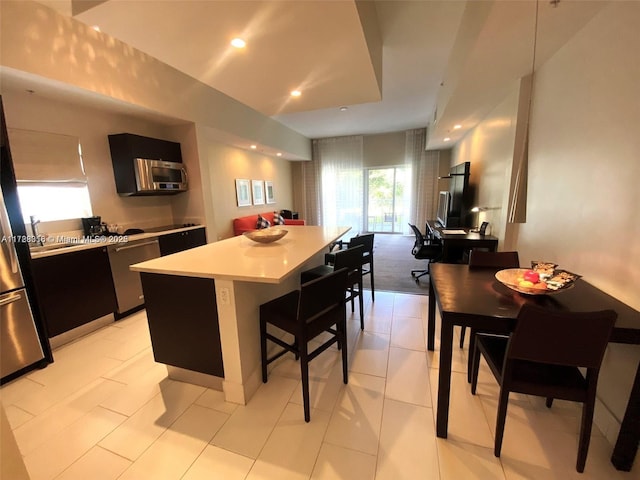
x=55 y=201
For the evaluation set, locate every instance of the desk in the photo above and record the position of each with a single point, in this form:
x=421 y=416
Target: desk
x=453 y=245
x=474 y=298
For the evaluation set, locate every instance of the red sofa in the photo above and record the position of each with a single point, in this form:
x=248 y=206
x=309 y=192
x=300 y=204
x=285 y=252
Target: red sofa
x=248 y=223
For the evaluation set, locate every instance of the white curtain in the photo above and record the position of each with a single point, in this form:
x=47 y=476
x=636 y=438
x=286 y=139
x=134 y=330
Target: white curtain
x=424 y=178
x=340 y=168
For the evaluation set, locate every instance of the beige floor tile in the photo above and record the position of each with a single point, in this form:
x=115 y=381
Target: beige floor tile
x=357 y=416
x=139 y=391
x=17 y=416
x=191 y=432
x=407 y=332
x=96 y=464
x=409 y=305
x=292 y=448
x=407 y=443
x=408 y=377
x=18 y=389
x=214 y=399
x=53 y=457
x=339 y=463
x=216 y=463
x=131 y=370
x=64 y=382
x=379 y=322
x=250 y=425
x=323 y=392
x=140 y=430
x=460 y=460
x=42 y=428
x=467 y=421
x=371 y=354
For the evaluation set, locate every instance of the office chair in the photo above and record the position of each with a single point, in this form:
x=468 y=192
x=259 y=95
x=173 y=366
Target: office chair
x=424 y=249
x=366 y=240
x=318 y=307
x=542 y=357
x=351 y=259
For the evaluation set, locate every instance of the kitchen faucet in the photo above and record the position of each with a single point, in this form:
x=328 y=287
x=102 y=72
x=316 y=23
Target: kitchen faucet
x=34 y=228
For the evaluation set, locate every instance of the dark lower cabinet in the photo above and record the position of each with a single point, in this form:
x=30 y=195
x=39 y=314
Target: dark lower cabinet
x=183 y=322
x=74 y=288
x=179 y=241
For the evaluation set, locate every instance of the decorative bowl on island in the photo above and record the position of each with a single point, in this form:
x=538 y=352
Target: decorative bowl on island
x=266 y=235
x=528 y=281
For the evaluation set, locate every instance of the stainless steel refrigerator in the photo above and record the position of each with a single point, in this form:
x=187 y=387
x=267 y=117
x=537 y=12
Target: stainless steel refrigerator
x=19 y=342
x=23 y=339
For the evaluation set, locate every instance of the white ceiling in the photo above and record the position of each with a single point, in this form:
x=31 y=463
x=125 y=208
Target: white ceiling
x=392 y=63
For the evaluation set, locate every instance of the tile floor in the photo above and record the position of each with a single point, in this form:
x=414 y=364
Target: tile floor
x=105 y=410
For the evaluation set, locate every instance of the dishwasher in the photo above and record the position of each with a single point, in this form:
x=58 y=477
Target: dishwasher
x=126 y=282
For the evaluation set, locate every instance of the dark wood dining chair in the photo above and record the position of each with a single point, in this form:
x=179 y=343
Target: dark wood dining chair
x=351 y=259
x=484 y=259
x=424 y=249
x=318 y=307
x=542 y=357
x=367 y=241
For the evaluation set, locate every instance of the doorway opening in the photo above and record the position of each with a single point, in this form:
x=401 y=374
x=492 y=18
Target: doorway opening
x=387 y=205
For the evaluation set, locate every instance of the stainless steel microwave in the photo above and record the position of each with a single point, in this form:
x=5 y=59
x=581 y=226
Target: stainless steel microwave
x=159 y=176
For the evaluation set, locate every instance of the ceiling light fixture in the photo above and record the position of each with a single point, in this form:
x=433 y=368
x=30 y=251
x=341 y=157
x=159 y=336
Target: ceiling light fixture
x=446 y=139
x=296 y=93
x=344 y=109
x=96 y=28
x=253 y=147
x=238 y=43
x=278 y=154
x=457 y=127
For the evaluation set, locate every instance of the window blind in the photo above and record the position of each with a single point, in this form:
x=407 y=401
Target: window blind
x=45 y=157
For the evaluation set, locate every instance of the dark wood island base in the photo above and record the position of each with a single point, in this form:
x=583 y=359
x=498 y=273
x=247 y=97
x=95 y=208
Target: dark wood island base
x=183 y=322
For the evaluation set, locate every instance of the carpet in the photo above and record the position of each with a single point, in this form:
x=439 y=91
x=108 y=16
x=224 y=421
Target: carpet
x=393 y=265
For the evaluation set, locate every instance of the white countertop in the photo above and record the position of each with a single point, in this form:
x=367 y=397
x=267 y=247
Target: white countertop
x=239 y=258
x=107 y=240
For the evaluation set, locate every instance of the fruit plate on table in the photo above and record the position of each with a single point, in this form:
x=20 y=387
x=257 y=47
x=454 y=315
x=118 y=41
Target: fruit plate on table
x=524 y=280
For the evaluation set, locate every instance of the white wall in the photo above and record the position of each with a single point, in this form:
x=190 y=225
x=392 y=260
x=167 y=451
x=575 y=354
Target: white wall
x=221 y=166
x=582 y=204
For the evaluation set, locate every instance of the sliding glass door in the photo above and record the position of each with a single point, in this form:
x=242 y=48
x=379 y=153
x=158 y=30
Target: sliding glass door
x=387 y=204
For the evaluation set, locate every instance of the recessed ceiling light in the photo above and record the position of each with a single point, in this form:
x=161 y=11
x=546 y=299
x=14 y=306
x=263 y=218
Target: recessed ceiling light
x=96 y=28
x=253 y=147
x=457 y=127
x=296 y=93
x=446 y=139
x=238 y=43
x=278 y=154
x=344 y=109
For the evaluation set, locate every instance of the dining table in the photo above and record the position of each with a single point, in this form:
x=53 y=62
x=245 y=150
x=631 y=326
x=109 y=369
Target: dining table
x=474 y=298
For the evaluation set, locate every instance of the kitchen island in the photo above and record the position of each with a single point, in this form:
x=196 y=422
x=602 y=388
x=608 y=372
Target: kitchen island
x=203 y=304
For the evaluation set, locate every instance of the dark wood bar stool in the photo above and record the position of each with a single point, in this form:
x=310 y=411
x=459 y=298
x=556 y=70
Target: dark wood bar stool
x=367 y=241
x=318 y=307
x=351 y=259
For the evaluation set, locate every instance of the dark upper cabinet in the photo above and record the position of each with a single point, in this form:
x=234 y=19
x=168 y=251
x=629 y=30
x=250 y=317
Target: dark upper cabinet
x=74 y=288
x=125 y=147
x=179 y=241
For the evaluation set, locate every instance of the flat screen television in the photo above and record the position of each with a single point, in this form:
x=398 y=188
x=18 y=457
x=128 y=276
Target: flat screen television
x=443 y=208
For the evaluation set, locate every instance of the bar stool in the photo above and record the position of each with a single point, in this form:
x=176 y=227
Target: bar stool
x=318 y=307
x=351 y=259
x=366 y=240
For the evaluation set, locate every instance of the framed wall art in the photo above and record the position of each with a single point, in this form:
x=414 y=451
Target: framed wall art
x=257 y=187
x=243 y=193
x=268 y=188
